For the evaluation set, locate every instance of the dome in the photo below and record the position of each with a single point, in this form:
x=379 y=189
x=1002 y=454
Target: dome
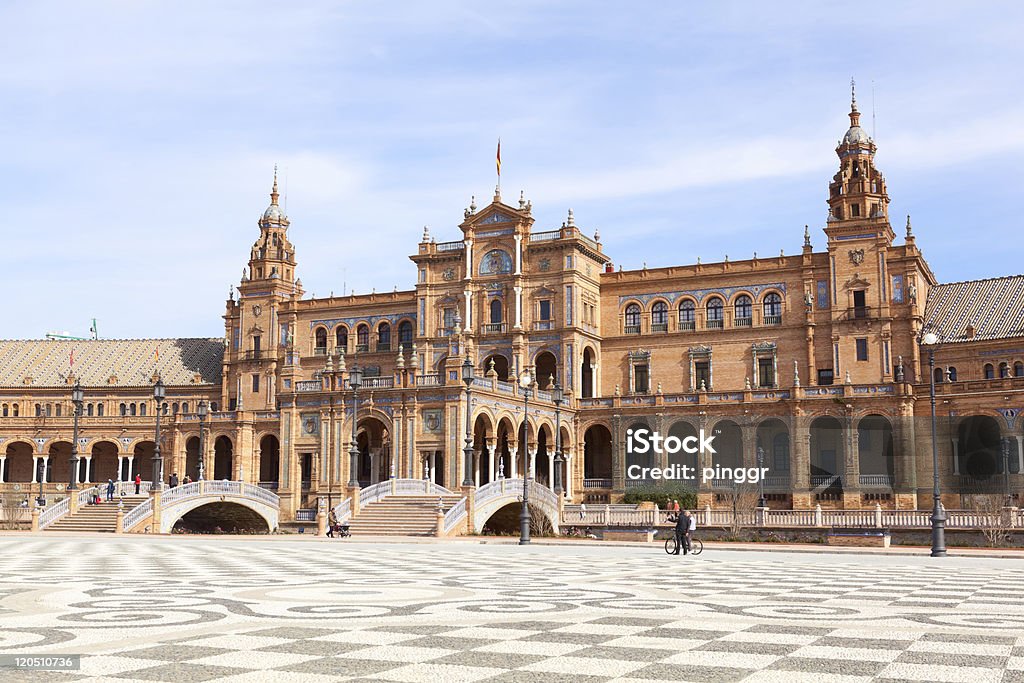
x=273 y=213
x=856 y=135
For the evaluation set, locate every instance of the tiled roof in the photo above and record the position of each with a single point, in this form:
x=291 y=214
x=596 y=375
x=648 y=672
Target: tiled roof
x=111 y=362
x=995 y=307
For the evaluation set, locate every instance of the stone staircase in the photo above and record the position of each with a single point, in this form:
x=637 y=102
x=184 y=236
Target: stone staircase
x=401 y=516
x=102 y=517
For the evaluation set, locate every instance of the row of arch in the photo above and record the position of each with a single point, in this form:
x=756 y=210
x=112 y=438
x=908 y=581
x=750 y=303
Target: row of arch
x=382 y=334
x=98 y=409
x=714 y=311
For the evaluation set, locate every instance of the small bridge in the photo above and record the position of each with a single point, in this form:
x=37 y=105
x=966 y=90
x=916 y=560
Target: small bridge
x=490 y=498
x=176 y=502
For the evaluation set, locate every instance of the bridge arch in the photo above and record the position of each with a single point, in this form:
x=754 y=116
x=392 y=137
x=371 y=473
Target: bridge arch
x=495 y=496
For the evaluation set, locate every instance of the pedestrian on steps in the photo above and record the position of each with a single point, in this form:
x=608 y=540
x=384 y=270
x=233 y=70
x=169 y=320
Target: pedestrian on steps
x=110 y=490
x=138 y=483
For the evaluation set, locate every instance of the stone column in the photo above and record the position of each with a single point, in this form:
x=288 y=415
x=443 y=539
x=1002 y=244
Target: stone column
x=131 y=467
x=88 y=469
x=551 y=471
x=532 y=451
x=3 y=467
x=490 y=449
x=800 y=466
x=35 y=469
x=568 y=472
x=513 y=463
x=476 y=465
x=748 y=432
x=46 y=468
x=851 y=474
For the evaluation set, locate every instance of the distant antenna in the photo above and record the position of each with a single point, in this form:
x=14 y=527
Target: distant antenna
x=94 y=330
x=873 y=136
x=285 y=190
x=344 y=285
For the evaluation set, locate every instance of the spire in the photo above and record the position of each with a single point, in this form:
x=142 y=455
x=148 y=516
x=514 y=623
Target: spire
x=273 y=192
x=854 y=113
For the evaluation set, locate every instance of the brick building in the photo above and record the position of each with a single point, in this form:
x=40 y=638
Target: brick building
x=809 y=361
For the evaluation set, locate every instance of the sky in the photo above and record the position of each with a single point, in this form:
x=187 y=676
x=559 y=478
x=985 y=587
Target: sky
x=138 y=139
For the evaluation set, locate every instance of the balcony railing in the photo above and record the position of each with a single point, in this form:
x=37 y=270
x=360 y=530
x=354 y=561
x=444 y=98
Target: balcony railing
x=744 y=322
x=597 y=483
x=253 y=354
x=544 y=325
x=687 y=325
x=494 y=328
x=362 y=348
x=451 y=246
x=876 y=480
x=545 y=236
x=320 y=351
x=308 y=385
x=659 y=327
x=859 y=313
x=428 y=381
x=383 y=346
x=632 y=329
x=825 y=481
x=773 y=320
x=713 y=325
x=378 y=382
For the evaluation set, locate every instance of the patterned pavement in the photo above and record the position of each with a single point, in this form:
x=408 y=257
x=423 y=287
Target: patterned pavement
x=285 y=609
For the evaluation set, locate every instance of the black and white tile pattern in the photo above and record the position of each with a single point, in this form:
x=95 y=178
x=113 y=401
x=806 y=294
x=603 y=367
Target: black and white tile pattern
x=198 y=609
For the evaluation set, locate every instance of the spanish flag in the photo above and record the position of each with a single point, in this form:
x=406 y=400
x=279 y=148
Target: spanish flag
x=156 y=354
x=498 y=159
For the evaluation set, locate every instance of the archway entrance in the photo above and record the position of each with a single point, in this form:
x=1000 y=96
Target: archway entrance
x=223 y=457
x=142 y=463
x=683 y=430
x=483 y=466
x=192 y=458
x=547 y=369
x=221 y=518
x=875 y=450
x=104 y=461
x=58 y=468
x=500 y=365
x=978 y=447
x=542 y=470
x=828 y=455
x=18 y=467
x=374 y=441
x=597 y=458
x=587 y=374
x=270 y=462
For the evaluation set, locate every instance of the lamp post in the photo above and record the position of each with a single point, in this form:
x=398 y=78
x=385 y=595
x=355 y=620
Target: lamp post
x=40 y=500
x=467 y=450
x=760 y=480
x=159 y=393
x=1006 y=468
x=525 y=381
x=203 y=409
x=77 y=395
x=558 y=396
x=355 y=380
x=930 y=340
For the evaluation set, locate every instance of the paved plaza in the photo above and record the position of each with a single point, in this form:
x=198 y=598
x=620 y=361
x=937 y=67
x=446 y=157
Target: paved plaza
x=306 y=609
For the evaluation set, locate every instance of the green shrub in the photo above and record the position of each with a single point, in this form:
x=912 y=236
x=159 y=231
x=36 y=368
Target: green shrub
x=662 y=495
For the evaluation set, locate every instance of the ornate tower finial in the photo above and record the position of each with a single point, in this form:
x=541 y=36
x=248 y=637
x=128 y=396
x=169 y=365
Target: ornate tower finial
x=572 y=220
x=853 y=94
x=807 y=236
x=910 y=232
x=522 y=200
x=426 y=234
x=472 y=204
x=273 y=192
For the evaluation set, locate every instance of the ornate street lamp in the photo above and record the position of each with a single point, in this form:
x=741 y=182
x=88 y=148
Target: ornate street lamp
x=41 y=474
x=525 y=382
x=203 y=410
x=760 y=480
x=77 y=396
x=355 y=380
x=467 y=450
x=558 y=396
x=930 y=340
x=159 y=393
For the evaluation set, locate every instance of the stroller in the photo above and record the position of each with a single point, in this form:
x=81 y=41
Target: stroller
x=341 y=530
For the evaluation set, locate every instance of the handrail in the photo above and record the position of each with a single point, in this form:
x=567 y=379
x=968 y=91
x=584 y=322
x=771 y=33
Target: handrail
x=390 y=487
x=343 y=510
x=51 y=514
x=455 y=515
x=137 y=514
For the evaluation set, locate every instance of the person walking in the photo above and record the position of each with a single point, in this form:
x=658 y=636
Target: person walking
x=138 y=483
x=583 y=510
x=110 y=490
x=690 y=529
x=332 y=522
x=174 y=480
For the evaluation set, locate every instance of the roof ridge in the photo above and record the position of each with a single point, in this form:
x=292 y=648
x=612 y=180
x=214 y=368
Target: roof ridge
x=983 y=279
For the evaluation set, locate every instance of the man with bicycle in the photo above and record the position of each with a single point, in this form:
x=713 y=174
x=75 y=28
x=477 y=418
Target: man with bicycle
x=683 y=532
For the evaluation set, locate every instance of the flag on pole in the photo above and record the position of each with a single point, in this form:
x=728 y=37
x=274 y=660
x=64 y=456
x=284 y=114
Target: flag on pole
x=498 y=159
x=156 y=355
x=71 y=360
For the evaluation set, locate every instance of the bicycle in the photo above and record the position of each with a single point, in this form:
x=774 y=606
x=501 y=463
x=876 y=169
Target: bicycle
x=672 y=545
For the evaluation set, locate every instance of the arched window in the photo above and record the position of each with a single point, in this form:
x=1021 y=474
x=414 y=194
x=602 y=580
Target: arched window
x=341 y=337
x=405 y=333
x=633 y=319
x=15 y=406
x=184 y=407
x=687 y=315
x=88 y=410
x=659 y=317
x=1018 y=369
x=132 y=409
x=772 y=309
x=166 y=408
x=320 y=337
x=938 y=375
x=39 y=410
x=142 y=409
x=49 y=409
x=363 y=338
x=174 y=408
x=124 y=410
x=714 y=312
x=951 y=373
x=4 y=410
x=213 y=406
x=990 y=371
x=99 y=410
x=384 y=337
x=744 y=310
x=1004 y=370
x=496 y=311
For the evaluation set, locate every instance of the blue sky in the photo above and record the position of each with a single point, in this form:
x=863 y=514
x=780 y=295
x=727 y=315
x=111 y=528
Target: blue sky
x=138 y=138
